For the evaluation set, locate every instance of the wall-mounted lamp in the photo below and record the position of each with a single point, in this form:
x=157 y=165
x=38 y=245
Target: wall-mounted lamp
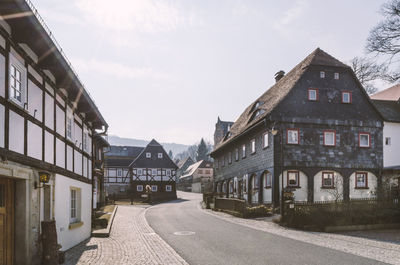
x=44 y=178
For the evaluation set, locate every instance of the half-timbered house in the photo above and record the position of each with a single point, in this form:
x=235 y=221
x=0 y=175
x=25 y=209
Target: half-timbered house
x=117 y=180
x=315 y=131
x=154 y=168
x=47 y=121
x=100 y=146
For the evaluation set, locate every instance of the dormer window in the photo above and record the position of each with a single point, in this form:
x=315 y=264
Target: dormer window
x=312 y=94
x=148 y=155
x=346 y=97
x=322 y=74
x=160 y=155
x=336 y=75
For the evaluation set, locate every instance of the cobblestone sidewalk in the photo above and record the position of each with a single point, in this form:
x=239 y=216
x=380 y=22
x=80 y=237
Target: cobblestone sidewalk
x=373 y=249
x=131 y=241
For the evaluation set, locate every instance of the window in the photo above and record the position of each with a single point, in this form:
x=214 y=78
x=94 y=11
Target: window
x=293 y=179
x=159 y=155
x=139 y=172
x=74 y=205
x=154 y=188
x=69 y=122
x=237 y=154
x=361 y=180
x=364 y=140
x=85 y=141
x=336 y=75
x=322 y=74
x=253 y=146
x=223 y=161
x=328 y=180
x=208 y=171
x=388 y=141
x=254 y=182
x=200 y=171
x=17 y=86
x=119 y=173
x=159 y=172
x=168 y=172
x=145 y=172
x=312 y=94
x=168 y=188
x=346 y=97
x=268 y=180
x=231 y=187
x=230 y=158
x=154 y=172
x=265 y=140
x=329 y=138
x=243 y=151
x=148 y=155
x=293 y=136
x=139 y=188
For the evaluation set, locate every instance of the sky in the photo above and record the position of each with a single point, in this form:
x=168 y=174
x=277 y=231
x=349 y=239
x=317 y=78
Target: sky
x=167 y=69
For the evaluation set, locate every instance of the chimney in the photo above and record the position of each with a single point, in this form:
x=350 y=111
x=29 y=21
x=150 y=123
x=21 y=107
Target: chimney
x=279 y=75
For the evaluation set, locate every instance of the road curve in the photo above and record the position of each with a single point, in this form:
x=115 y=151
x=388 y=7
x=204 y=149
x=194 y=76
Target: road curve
x=216 y=241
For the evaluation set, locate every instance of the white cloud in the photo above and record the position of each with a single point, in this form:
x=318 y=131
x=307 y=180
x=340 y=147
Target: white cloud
x=150 y=16
x=291 y=15
x=118 y=70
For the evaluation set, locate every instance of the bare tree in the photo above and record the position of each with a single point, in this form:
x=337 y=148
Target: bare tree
x=367 y=71
x=384 y=41
x=337 y=190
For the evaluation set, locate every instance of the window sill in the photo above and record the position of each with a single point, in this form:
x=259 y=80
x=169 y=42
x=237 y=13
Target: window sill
x=18 y=104
x=361 y=188
x=265 y=147
x=296 y=187
x=268 y=187
x=327 y=188
x=75 y=225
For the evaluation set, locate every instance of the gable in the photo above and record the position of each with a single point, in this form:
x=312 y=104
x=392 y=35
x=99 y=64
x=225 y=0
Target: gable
x=153 y=162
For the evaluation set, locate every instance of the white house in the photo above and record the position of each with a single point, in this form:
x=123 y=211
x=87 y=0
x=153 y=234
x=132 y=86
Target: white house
x=47 y=120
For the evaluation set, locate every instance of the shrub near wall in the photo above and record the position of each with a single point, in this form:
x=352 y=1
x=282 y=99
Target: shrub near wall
x=357 y=212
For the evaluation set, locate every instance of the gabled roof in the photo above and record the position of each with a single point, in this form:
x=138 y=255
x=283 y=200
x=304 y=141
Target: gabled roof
x=126 y=151
x=273 y=96
x=390 y=110
x=184 y=161
x=391 y=93
x=154 y=162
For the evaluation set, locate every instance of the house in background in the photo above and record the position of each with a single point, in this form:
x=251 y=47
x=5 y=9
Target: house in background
x=153 y=167
x=315 y=131
x=100 y=145
x=221 y=129
x=388 y=104
x=47 y=125
x=182 y=166
x=198 y=177
x=117 y=180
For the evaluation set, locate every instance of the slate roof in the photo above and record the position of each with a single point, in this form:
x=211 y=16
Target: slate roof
x=118 y=162
x=273 y=96
x=116 y=150
x=389 y=109
x=391 y=93
x=154 y=162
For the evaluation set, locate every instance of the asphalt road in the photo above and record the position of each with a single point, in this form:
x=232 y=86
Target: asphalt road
x=220 y=242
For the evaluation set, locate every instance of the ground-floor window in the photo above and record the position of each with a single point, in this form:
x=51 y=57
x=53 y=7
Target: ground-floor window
x=293 y=179
x=328 y=180
x=361 y=180
x=75 y=203
x=139 y=188
x=268 y=180
x=154 y=188
x=168 y=187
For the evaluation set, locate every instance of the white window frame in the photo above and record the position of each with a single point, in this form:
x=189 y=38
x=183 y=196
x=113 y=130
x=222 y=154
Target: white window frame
x=336 y=76
x=297 y=174
x=230 y=158
x=154 y=188
x=69 y=125
x=139 y=188
x=333 y=135
x=322 y=74
x=85 y=141
x=160 y=155
x=349 y=97
x=119 y=172
x=237 y=154
x=148 y=155
x=154 y=172
x=265 y=140
x=243 y=151
x=365 y=183
x=359 y=140
x=329 y=174
x=139 y=172
x=290 y=139
x=315 y=98
x=74 y=205
x=253 y=146
x=168 y=188
x=23 y=81
x=168 y=172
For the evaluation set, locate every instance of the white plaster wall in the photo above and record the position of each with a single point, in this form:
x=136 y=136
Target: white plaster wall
x=60 y=121
x=321 y=194
x=60 y=153
x=2 y=124
x=363 y=193
x=49 y=111
x=49 y=147
x=71 y=237
x=78 y=163
x=90 y=169
x=2 y=76
x=391 y=153
x=300 y=194
x=34 y=141
x=35 y=97
x=69 y=158
x=16 y=136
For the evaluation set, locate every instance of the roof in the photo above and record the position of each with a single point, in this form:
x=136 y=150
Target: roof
x=274 y=95
x=184 y=161
x=101 y=139
x=131 y=151
x=192 y=168
x=389 y=109
x=118 y=162
x=154 y=162
x=391 y=93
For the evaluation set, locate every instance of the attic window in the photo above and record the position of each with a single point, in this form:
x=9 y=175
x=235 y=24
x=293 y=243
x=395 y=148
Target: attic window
x=322 y=74
x=148 y=155
x=256 y=105
x=336 y=75
x=346 y=97
x=159 y=155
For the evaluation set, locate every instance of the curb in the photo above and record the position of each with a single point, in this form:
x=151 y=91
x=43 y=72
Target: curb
x=106 y=231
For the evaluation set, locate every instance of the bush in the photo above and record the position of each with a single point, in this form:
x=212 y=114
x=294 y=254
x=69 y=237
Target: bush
x=257 y=211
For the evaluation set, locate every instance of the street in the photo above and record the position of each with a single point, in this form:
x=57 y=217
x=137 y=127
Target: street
x=216 y=241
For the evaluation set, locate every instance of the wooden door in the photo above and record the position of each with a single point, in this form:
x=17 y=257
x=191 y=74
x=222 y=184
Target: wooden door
x=6 y=221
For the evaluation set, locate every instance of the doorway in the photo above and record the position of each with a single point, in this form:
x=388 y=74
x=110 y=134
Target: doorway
x=6 y=221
